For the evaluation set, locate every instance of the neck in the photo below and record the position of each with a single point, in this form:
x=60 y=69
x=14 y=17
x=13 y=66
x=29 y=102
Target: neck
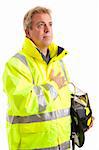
x=43 y=50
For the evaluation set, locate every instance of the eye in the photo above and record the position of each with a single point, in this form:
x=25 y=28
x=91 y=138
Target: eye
x=50 y=23
x=40 y=25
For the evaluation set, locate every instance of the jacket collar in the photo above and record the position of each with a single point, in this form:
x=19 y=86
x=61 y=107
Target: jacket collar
x=30 y=49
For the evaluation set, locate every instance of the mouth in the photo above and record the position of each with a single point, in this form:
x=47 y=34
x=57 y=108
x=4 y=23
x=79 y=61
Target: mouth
x=46 y=37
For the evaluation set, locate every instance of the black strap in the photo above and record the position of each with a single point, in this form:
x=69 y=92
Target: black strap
x=73 y=144
x=73 y=140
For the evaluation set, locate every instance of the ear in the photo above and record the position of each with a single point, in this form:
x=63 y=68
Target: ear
x=27 y=33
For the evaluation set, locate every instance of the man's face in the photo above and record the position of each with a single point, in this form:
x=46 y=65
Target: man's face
x=41 y=32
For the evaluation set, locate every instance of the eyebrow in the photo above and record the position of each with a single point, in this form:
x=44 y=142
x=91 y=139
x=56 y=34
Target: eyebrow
x=42 y=22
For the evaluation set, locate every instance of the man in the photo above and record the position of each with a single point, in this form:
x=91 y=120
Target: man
x=36 y=83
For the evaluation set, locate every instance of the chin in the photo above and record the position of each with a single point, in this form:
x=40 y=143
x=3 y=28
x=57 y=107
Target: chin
x=47 y=43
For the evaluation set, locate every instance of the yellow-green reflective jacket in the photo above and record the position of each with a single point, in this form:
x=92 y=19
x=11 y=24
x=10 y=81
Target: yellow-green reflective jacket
x=38 y=115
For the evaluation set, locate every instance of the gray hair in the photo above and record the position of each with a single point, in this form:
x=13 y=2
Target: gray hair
x=27 y=21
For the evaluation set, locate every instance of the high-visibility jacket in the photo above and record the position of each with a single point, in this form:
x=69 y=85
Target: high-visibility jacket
x=38 y=115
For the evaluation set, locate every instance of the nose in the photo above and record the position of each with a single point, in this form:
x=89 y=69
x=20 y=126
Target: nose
x=46 y=29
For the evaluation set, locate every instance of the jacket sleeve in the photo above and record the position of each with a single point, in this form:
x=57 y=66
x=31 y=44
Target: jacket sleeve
x=24 y=97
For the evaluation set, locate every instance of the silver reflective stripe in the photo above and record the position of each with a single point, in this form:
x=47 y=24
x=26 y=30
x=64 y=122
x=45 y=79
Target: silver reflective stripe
x=41 y=98
x=63 y=146
x=63 y=68
x=23 y=60
x=39 y=117
x=52 y=90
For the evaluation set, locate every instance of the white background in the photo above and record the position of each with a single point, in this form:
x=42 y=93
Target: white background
x=75 y=25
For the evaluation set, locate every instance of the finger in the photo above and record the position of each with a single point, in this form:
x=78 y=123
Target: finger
x=63 y=79
x=62 y=83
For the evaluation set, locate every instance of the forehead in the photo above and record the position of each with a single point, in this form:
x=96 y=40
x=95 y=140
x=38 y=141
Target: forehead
x=41 y=17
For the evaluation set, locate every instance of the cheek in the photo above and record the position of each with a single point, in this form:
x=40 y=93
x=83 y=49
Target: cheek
x=39 y=33
x=36 y=35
